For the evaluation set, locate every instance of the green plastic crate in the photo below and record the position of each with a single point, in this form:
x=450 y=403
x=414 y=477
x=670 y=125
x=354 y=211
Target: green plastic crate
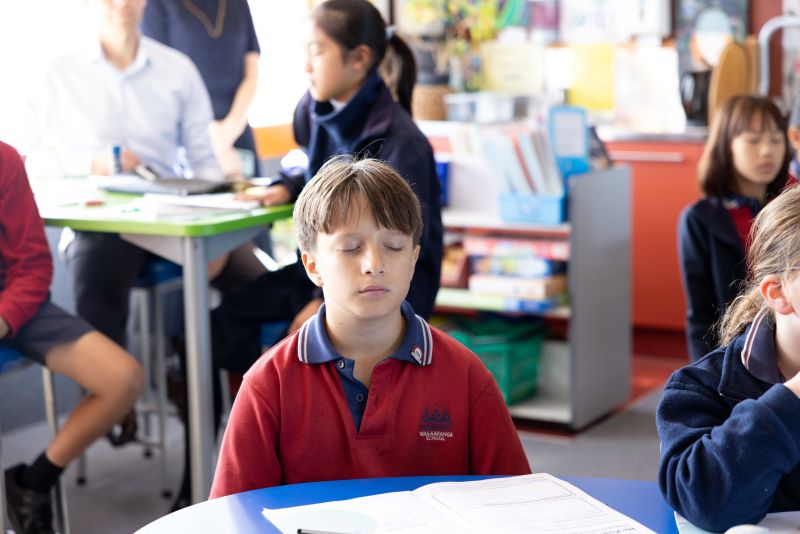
x=510 y=350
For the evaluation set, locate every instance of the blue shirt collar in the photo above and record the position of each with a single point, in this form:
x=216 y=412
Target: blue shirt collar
x=314 y=346
x=734 y=200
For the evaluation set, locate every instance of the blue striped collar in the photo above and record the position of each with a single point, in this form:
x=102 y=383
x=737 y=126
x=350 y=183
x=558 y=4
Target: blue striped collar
x=314 y=346
x=759 y=353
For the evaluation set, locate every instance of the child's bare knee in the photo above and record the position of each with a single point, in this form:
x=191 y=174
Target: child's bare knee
x=125 y=381
x=134 y=379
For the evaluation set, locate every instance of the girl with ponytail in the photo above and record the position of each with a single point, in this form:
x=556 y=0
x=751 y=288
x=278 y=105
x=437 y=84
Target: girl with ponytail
x=349 y=109
x=730 y=423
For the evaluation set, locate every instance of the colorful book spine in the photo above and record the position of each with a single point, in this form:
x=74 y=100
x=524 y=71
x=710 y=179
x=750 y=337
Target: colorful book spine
x=491 y=153
x=462 y=298
x=551 y=172
x=532 y=162
x=523 y=267
x=516 y=247
x=531 y=306
x=523 y=288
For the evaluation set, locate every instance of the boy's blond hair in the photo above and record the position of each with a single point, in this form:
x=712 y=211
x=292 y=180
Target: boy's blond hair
x=328 y=200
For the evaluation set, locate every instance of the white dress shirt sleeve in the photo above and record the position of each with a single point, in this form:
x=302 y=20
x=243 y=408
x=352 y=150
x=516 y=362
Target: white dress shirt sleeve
x=194 y=135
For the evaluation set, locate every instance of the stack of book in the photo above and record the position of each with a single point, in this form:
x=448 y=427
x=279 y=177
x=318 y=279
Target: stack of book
x=531 y=186
x=529 y=274
x=522 y=156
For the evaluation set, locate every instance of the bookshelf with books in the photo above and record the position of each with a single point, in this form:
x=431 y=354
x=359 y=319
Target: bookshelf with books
x=575 y=274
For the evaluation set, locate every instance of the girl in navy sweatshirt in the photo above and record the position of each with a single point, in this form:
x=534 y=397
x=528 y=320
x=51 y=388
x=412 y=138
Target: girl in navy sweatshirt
x=348 y=110
x=730 y=423
x=744 y=164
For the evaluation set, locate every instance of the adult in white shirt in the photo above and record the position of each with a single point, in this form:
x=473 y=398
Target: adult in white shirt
x=133 y=92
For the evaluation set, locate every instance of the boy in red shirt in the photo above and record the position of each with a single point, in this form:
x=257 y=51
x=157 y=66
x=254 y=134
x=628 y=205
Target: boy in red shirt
x=38 y=329
x=365 y=388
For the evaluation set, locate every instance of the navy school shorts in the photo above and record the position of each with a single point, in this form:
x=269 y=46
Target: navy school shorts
x=50 y=327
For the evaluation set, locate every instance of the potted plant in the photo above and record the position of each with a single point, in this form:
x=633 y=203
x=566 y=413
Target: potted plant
x=447 y=35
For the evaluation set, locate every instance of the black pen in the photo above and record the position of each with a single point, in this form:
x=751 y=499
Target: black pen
x=309 y=531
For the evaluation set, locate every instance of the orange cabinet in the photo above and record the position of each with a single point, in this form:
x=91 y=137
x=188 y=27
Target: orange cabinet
x=664 y=182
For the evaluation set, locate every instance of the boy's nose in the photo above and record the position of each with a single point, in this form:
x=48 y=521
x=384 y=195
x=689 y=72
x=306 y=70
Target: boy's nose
x=372 y=263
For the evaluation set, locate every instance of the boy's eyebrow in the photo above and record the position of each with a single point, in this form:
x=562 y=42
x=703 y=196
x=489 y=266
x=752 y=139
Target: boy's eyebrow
x=339 y=235
x=345 y=234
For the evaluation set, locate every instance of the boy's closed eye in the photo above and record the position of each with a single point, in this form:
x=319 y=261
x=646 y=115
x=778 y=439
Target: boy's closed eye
x=355 y=248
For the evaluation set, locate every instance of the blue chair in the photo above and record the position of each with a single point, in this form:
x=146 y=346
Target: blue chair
x=10 y=359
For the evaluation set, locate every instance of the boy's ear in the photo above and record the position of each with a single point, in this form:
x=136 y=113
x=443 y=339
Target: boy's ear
x=774 y=294
x=310 y=264
x=794 y=136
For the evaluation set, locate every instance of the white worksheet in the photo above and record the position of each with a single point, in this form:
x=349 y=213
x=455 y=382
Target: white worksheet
x=531 y=503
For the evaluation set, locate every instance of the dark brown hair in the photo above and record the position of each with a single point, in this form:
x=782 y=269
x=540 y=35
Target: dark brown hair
x=716 y=171
x=328 y=201
x=351 y=23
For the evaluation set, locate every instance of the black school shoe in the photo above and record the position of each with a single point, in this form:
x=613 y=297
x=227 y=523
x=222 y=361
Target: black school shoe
x=124 y=431
x=29 y=511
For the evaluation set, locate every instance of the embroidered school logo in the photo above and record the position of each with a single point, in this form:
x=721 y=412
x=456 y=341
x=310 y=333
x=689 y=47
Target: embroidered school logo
x=416 y=353
x=435 y=425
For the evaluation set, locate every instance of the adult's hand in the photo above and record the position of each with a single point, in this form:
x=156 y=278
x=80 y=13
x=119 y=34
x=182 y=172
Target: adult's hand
x=101 y=164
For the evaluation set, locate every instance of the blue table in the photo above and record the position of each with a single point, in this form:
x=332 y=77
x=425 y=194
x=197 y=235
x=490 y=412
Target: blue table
x=241 y=513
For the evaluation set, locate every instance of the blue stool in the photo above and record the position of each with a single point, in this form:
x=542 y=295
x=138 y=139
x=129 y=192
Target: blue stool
x=157 y=278
x=11 y=359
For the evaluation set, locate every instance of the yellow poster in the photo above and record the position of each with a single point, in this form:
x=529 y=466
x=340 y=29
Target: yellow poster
x=593 y=78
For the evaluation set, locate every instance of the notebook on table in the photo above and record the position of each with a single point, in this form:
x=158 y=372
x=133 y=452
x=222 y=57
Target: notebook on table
x=131 y=183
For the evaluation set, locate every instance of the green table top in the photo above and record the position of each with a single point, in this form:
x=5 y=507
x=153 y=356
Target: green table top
x=119 y=214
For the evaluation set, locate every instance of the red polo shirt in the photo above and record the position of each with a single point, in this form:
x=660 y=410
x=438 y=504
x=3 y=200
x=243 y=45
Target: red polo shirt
x=26 y=268
x=436 y=413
